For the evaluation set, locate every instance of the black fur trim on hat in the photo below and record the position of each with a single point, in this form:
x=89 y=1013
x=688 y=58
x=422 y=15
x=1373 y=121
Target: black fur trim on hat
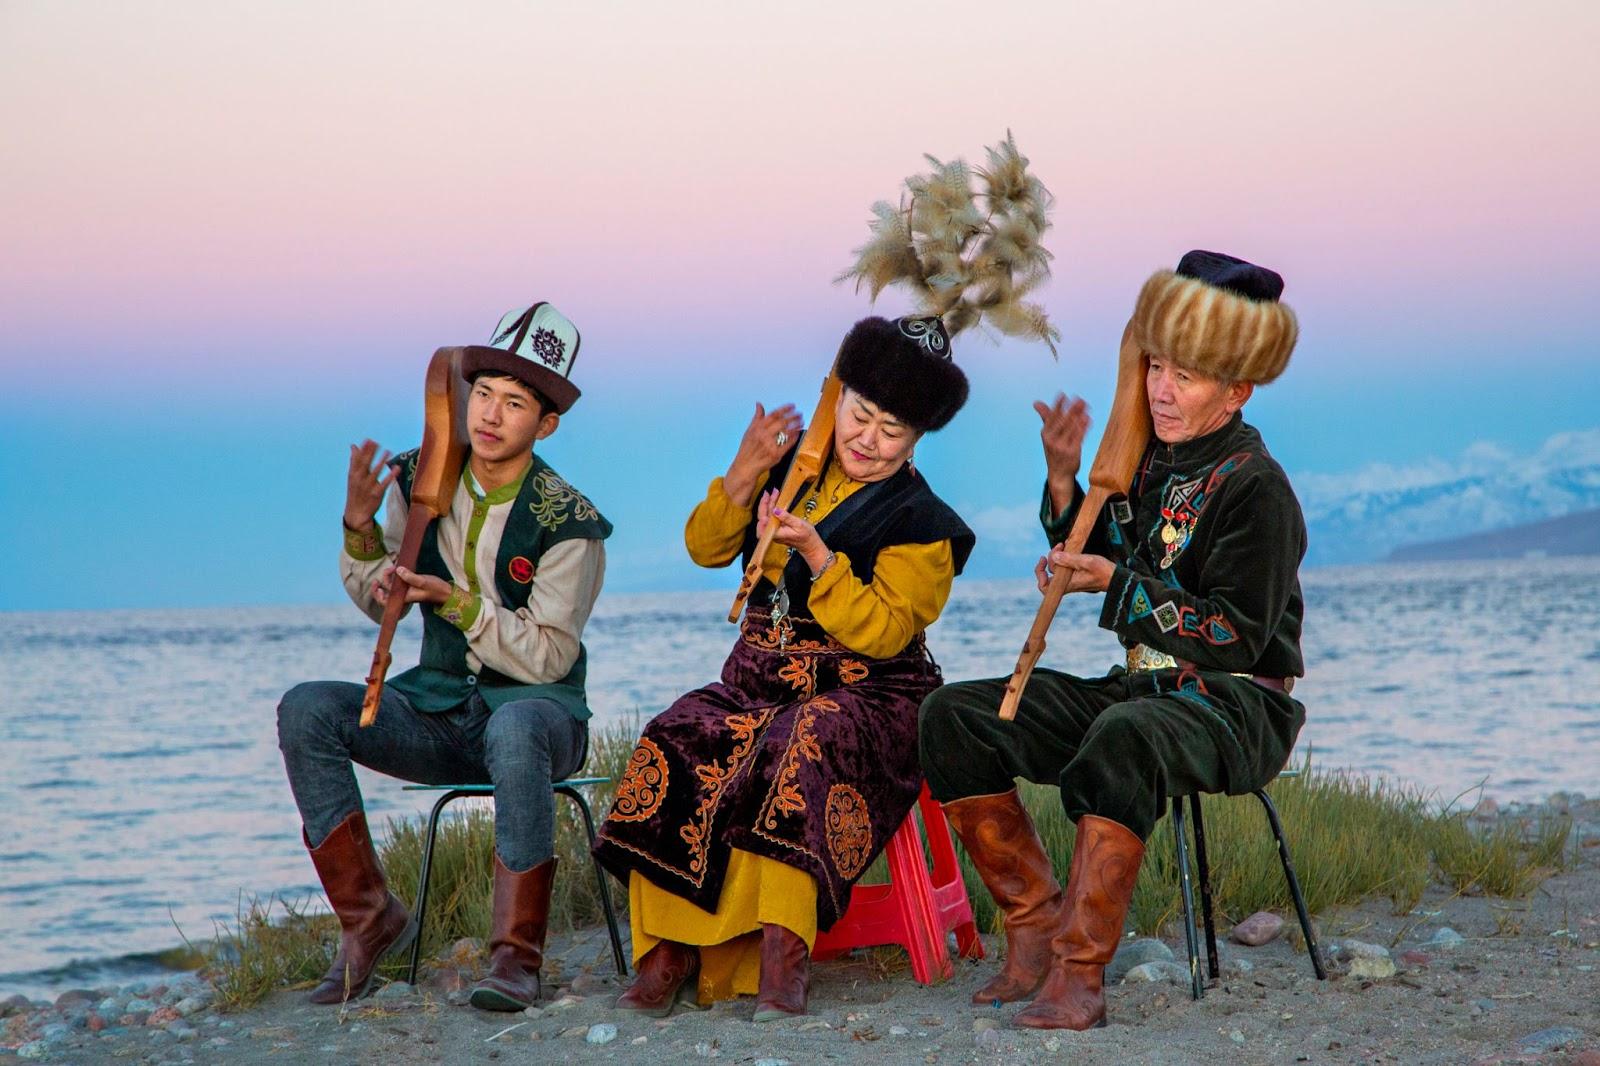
x=904 y=367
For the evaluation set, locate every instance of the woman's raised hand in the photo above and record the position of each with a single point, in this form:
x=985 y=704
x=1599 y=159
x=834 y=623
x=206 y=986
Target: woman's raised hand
x=767 y=439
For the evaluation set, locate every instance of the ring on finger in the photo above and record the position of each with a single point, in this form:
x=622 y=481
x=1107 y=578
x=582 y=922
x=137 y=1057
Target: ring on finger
x=782 y=438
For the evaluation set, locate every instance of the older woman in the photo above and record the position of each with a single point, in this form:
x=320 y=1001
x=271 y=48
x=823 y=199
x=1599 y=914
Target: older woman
x=751 y=805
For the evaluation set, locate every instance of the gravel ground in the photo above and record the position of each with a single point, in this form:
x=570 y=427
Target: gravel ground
x=1460 y=979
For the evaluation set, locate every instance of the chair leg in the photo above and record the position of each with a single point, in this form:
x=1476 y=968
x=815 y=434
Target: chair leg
x=423 y=875
x=1294 y=885
x=1205 y=886
x=1196 y=984
x=600 y=878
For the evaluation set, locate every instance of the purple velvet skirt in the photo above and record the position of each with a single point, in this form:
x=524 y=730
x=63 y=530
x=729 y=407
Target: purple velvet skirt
x=805 y=752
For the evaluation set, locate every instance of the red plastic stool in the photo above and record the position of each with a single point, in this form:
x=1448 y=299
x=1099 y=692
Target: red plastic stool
x=913 y=910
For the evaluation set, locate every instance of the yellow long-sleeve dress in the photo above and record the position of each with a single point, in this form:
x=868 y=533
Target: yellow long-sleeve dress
x=744 y=763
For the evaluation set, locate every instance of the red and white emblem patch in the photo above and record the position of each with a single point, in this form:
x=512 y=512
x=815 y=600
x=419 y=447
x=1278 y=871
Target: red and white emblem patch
x=521 y=569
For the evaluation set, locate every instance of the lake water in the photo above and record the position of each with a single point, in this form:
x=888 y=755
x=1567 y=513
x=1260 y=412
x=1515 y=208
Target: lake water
x=141 y=789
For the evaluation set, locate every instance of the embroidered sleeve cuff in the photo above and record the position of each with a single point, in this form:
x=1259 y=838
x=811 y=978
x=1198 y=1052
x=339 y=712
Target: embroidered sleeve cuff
x=1114 y=610
x=1057 y=526
x=365 y=545
x=461 y=609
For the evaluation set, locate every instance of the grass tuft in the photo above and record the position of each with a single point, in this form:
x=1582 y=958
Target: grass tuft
x=1352 y=838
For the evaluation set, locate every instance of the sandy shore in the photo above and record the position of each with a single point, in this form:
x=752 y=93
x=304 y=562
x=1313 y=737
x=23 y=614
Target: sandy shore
x=1511 y=981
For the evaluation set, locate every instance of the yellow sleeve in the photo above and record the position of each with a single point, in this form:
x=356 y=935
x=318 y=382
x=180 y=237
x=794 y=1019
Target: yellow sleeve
x=715 y=530
x=910 y=584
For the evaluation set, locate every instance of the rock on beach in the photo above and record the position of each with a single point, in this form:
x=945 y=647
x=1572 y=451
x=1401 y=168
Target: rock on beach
x=1260 y=928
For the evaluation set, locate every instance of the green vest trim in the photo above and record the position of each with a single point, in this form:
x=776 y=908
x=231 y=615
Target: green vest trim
x=546 y=512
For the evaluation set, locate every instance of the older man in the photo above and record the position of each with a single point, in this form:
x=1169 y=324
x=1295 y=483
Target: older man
x=1199 y=566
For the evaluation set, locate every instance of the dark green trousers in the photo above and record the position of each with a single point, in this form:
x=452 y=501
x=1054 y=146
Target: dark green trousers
x=1119 y=746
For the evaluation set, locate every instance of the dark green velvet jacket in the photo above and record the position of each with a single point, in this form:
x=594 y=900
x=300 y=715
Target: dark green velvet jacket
x=546 y=512
x=1208 y=547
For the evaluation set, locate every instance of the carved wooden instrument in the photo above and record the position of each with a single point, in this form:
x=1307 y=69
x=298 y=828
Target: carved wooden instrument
x=444 y=449
x=1123 y=443
x=812 y=451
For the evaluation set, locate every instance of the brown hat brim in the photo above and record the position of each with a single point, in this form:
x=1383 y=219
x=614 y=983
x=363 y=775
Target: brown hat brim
x=561 y=393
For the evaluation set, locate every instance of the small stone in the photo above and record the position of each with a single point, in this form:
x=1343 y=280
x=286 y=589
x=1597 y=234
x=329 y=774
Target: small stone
x=446 y=979
x=1053 y=1044
x=110 y=1006
x=1416 y=958
x=899 y=1030
x=1372 y=968
x=564 y=1003
x=1552 y=1039
x=162 y=1016
x=183 y=1032
x=601 y=1033
x=13 y=1005
x=1237 y=967
x=981 y=1024
x=574 y=1031
x=1484 y=1006
x=132 y=1018
x=459 y=998
x=1446 y=939
x=55 y=1032
x=1156 y=972
x=989 y=1039
x=1260 y=928
x=533 y=1011
x=587 y=984
x=1360 y=949
x=707 y=1051
x=94 y=1023
x=75 y=995
x=140 y=1005
x=392 y=990
x=1136 y=953
x=191 y=1005
x=33 y=1049
x=636 y=1041
x=218 y=1042
x=1236 y=1036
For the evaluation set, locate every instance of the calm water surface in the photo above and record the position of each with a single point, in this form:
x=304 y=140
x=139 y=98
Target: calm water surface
x=141 y=787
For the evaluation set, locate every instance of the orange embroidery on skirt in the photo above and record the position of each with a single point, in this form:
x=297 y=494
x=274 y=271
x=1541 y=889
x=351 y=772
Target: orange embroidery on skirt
x=785 y=797
x=849 y=828
x=643 y=785
x=801 y=673
x=852 y=670
x=715 y=778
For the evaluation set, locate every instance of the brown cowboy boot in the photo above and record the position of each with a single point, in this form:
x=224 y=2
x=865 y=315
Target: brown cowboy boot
x=669 y=974
x=1105 y=864
x=516 y=945
x=372 y=922
x=1004 y=846
x=785 y=974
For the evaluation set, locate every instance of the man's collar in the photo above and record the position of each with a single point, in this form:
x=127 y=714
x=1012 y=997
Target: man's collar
x=504 y=494
x=1204 y=449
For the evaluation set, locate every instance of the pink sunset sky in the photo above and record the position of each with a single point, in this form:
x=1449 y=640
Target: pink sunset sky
x=252 y=215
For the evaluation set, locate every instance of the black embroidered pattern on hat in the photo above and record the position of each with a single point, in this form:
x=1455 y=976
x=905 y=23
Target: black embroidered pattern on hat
x=548 y=347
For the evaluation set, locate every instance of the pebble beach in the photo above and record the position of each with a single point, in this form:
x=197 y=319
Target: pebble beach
x=1459 y=979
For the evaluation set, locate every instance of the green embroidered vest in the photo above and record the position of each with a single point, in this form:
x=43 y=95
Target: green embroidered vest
x=546 y=512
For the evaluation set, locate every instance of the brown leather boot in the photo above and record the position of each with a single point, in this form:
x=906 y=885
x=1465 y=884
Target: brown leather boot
x=372 y=922
x=1105 y=863
x=1004 y=846
x=516 y=944
x=785 y=974
x=668 y=974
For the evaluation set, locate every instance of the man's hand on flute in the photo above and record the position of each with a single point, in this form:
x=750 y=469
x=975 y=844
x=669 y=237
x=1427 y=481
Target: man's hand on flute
x=1089 y=573
x=767 y=438
x=1065 y=422
x=420 y=588
x=364 y=487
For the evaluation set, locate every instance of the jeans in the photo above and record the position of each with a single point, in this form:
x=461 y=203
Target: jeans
x=521 y=748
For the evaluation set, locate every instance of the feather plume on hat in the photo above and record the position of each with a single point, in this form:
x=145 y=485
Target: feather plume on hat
x=968 y=255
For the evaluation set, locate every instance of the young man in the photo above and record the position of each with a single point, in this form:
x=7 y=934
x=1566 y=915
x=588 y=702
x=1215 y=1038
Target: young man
x=506 y=580
x=1199 y=565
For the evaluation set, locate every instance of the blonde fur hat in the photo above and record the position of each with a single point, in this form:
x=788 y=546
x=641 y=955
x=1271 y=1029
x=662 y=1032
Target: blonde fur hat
x=1217 y=315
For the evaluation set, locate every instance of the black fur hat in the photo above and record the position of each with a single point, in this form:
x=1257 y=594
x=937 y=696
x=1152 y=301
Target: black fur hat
x=904 y=367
